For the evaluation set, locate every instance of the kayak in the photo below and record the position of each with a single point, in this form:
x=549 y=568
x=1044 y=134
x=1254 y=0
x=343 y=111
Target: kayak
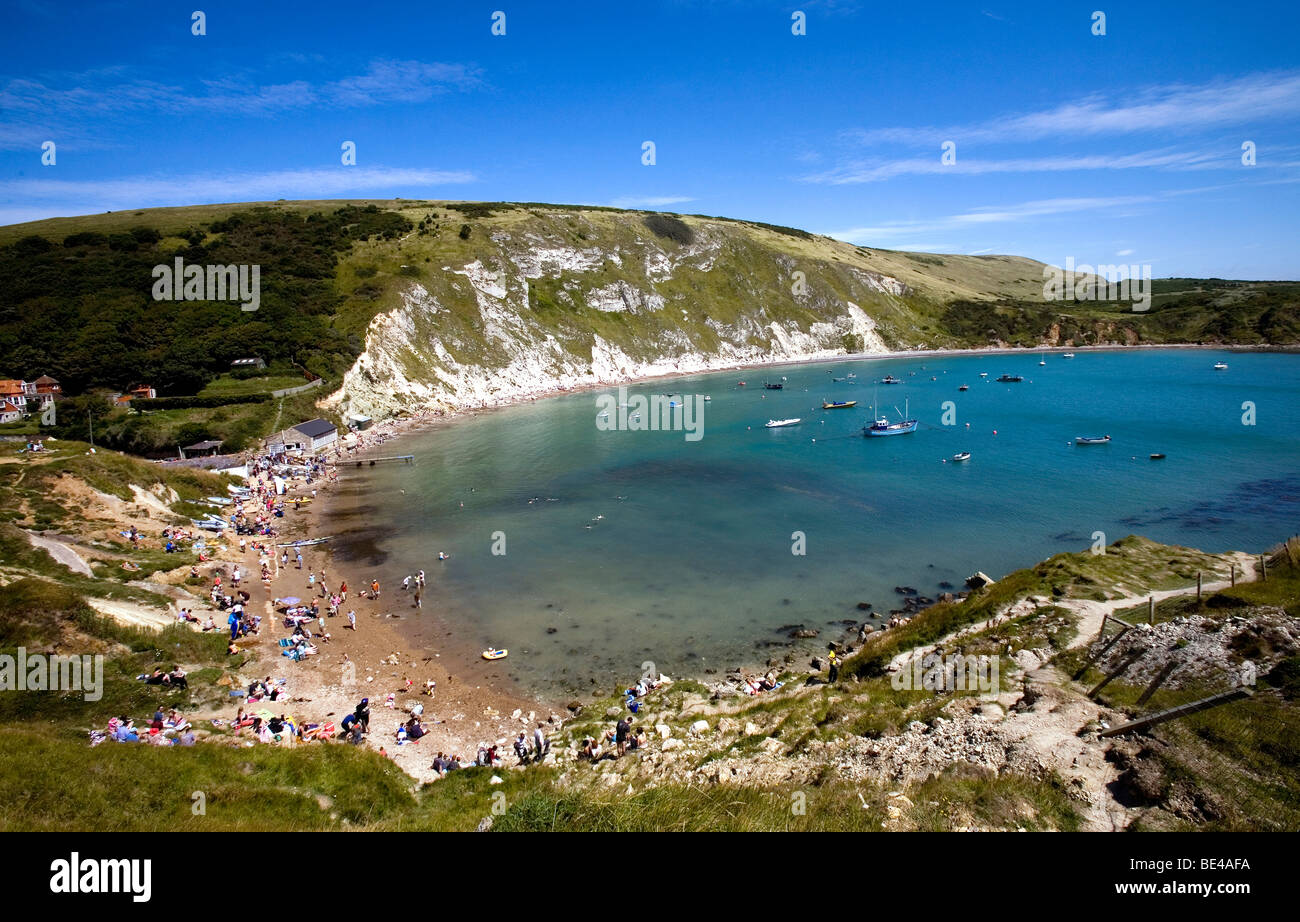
x=495 y=654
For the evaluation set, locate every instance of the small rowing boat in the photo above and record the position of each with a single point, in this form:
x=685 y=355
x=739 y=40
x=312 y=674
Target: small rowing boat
x=781 y=423
x=964 y=387
x=890 y=379
x=306 y=542
x=838 y=404
x=1092 y=440
x=1157 y=456
x=1011 y=377
x=1220 y=366
x=495 y=654
x=772 y=385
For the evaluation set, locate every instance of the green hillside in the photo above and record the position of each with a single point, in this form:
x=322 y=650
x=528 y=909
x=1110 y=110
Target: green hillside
x=486 y=300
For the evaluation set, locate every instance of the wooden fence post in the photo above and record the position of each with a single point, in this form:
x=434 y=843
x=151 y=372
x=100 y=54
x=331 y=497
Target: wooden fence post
x=1198 y=587
x=1151 y=610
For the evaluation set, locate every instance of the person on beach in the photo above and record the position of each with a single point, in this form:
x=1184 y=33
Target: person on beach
x=374 y=589
x=406 y=583
x=620 y=733
x=834 y=662
x=540 y=744
x=419 y=597
x=352 y=620
x=299 y=554
x=521 y=749
x=363 y=714
x=311 y=583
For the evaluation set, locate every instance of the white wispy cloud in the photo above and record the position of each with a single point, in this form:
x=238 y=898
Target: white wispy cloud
x=894 y=230
x=37 y=109
x=878 y=170
x=42 y=197
x=649 y=201
x=1177 y=108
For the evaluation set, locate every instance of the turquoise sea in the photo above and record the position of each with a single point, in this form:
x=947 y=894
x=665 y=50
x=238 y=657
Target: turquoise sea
x=624 y=547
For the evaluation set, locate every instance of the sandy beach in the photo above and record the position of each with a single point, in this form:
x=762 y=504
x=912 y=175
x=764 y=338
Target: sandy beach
x=377 y=660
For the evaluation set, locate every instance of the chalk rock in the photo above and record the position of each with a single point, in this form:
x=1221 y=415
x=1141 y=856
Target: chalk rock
x=700 y=726
x=671 y=744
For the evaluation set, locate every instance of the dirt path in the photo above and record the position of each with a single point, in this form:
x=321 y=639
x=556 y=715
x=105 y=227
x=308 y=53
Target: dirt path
x=1091 y=614
x=62 y=553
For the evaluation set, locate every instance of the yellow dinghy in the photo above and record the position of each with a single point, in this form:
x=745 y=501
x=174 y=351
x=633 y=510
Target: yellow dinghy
x=495 y=654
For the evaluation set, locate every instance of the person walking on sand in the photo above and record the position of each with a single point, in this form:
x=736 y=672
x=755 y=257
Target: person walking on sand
x=374 y=589
x=352 y=620
x=343 y=591
x=311 y=583
x=419 y=597
x=299 y=553
x=406 y=583
x=284 y=559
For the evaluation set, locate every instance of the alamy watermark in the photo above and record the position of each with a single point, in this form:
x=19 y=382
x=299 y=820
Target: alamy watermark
x=180 y=282
x=936 y=672
x=41 y=672
x=659 y=412
x=1098 y=283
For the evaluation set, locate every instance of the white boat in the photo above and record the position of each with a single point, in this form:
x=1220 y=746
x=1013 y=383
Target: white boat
x=1069 y=355
x=1220 y=366
x=961 y=456
x=779 y=423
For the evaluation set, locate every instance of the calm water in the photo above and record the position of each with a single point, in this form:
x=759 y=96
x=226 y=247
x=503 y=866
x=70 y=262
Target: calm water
x=688 y=561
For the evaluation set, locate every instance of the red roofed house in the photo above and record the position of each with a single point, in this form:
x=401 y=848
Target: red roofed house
x=16 y=393
x=48 y=390
x=9 y=413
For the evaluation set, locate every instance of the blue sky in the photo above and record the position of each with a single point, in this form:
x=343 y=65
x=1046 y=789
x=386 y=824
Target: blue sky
x=1120 y=147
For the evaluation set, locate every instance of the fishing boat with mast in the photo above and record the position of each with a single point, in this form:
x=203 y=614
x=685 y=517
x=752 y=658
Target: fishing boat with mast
x=882 y=426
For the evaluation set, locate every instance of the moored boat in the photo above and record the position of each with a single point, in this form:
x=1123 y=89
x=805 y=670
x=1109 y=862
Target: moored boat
x=772 y=385
x=1092 y=440
x=1011 y=377
x=838 y=404
x=964 y=387
x=1157 y=456
x=961 y=456
x=882 y=426
x=781 y=423
x=1220 y=366
x=890 y=379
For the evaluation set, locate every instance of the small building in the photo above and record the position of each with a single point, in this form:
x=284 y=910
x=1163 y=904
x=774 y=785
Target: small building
x=48 y=390
x=143 y=392
x=248 y=363
x=204 y=449
x=9 y=413
x=320 y=433
x=16 y=392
